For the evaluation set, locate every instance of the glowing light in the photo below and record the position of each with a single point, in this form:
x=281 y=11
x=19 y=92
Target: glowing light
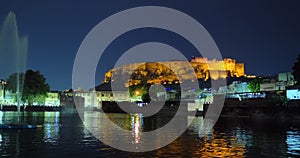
x=137 y=93
x=203 y=67
x=136 y=122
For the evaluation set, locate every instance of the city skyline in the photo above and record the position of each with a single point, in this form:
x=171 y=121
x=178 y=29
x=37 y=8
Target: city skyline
x=263 y=36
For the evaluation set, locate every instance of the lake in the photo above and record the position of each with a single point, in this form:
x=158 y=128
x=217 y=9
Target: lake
x=64 y=134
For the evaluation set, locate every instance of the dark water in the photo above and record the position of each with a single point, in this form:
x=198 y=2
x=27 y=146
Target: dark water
x=64 y=135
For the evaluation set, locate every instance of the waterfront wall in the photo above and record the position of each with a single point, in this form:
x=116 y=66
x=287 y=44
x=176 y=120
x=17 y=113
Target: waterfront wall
x=30 y=108
x=261 y=107
x=169 y=108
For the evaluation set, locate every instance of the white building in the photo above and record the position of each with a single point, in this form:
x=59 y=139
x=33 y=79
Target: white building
x=268 y=87
x=293 y=94
x=89 y=99
x=52 y=99
x=284 y=80
x=8 y=98
x=93 y=99
x=237 y=87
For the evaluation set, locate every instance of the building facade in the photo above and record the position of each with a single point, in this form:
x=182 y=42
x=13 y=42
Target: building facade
x=9 y=98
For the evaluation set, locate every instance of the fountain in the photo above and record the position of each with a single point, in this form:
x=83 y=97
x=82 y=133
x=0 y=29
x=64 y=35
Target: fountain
x=13 y=51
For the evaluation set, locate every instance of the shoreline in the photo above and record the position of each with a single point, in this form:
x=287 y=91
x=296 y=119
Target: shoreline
x=30 y=108
x=247 y=108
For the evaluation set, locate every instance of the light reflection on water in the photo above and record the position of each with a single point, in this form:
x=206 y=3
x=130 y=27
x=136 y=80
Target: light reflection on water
x=293 y=141
x=136 y=127
x=66 y=134
x=51 y=127
x=217 y=144
x=131 y=122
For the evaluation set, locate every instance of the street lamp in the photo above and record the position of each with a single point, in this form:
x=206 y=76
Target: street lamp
x=137 y=93
x=3 y=83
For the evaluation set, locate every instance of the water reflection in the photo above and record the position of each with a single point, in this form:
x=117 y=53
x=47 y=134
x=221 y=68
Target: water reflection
x=51 y=126
x=136 y=127
x=131 y=122
x=216 y=144
x=196 y=124
x=220 y=145
x=293 y=142
x=65 y=134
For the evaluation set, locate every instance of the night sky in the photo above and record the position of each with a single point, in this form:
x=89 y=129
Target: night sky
x=265 y=35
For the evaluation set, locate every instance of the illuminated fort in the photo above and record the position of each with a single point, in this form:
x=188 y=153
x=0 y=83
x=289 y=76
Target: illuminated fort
x=163 y=72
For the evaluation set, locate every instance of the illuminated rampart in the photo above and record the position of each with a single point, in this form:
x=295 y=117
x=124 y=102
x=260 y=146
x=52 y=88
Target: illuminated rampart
x=163 y=72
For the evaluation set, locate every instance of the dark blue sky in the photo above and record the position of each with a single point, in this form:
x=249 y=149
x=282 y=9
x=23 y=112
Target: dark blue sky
x=265 y=35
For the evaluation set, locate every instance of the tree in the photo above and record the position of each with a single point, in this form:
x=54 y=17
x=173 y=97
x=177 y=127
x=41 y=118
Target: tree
x=35 y=86
x=141 y=90
x=296 y=70
x=254 y=85
x=13 y=81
